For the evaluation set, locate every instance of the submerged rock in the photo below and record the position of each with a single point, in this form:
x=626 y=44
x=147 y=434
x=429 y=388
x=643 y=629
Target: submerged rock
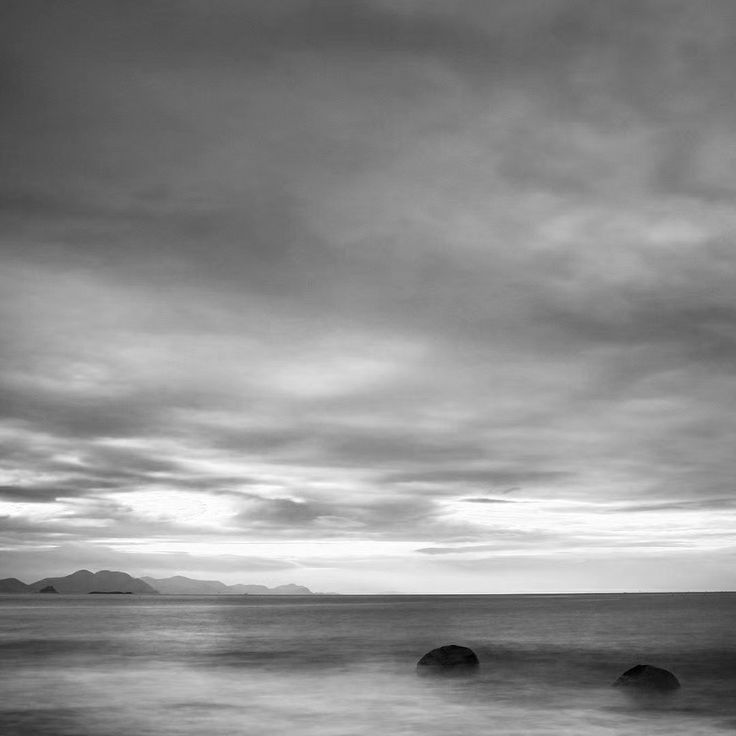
x=449 y=659
x=648 y=678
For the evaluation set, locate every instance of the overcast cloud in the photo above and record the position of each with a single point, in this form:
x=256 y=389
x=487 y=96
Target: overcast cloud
x=381 y=295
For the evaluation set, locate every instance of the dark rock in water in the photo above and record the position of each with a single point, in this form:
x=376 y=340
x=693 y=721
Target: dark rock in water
x=450 y=659
x=48 y=589
x=646 y=677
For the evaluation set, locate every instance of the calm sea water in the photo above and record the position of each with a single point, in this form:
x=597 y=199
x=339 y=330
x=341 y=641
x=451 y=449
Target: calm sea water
x=345 y=665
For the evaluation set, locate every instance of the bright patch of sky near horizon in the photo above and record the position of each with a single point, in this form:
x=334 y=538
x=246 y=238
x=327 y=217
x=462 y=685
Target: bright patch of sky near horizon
x=369 y=296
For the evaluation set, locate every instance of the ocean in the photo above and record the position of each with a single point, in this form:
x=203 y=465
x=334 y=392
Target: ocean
x=345 y=665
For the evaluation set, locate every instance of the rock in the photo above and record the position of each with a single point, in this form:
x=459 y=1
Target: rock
x=48 y=589
x=646 y=677
x=449 y=659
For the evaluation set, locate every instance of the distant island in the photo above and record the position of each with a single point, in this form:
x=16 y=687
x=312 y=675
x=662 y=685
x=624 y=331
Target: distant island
x=81 y=582
x=180 y=585
x=109 y=592
x=115 y=582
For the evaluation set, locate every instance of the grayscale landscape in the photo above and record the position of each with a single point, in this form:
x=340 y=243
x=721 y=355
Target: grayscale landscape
x=367 y=366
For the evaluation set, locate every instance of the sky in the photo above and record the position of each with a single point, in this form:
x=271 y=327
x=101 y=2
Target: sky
x=370 y=295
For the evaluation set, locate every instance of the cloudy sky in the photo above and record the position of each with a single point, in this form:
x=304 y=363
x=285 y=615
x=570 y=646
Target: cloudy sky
x=381 y=295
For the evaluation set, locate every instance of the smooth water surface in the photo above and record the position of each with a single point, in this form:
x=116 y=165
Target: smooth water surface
x=345 y=665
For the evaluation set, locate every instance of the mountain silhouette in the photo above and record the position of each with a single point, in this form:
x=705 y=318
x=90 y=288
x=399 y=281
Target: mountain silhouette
x=115 y=581
x=13 y=585
x=84 y=581
x=180 y=585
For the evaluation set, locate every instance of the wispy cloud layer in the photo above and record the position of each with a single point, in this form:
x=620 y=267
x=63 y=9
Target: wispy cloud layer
x=432 y=285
